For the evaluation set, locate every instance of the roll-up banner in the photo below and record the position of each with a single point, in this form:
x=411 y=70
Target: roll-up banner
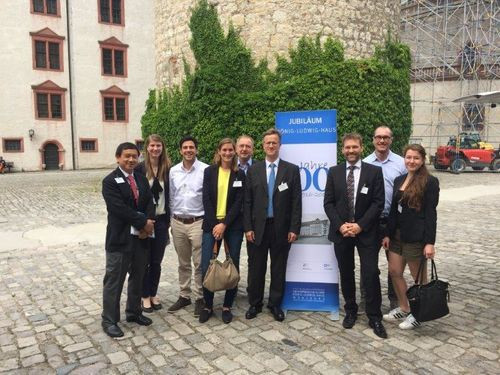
x=309 y=139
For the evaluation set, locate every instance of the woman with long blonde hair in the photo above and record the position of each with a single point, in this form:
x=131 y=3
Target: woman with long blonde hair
x=411 y=228
x=155 y=167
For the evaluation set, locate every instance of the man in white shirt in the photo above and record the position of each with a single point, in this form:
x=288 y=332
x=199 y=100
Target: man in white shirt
x=244 y=150
x=392 y=166
x=186 y=206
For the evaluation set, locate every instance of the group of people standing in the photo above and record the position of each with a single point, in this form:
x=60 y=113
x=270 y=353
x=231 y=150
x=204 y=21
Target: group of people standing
x=384 y=200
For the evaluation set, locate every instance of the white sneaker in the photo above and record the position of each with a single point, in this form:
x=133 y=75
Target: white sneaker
x=409 y=323
x=396 y=314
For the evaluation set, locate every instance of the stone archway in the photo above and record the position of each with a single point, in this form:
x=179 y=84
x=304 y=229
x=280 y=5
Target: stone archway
x=52 y=155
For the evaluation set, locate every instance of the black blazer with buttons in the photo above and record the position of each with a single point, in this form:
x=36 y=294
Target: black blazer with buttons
x=415 y=226
x=234 y=217
x=123 y=212
x=287 y=204
x=368 y=206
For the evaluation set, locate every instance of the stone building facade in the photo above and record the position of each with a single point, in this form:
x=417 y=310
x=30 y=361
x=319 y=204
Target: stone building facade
x=74 y=80
x=271 y=27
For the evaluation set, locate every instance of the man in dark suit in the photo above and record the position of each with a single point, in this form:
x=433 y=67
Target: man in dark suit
x=130 y=207
x=354 y=200
x=272 y=218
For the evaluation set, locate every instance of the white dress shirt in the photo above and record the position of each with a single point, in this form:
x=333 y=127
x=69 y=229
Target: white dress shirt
x=186 y=189
x=357 y=172
x=268 y=169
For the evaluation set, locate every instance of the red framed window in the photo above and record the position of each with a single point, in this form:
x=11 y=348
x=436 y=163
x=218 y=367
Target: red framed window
x=88 y=145
x=111 y=12
x=49 y=101
x=47 y=50
x=114 y=105
x=113 y=57
x=46 y=7
x=13 y=144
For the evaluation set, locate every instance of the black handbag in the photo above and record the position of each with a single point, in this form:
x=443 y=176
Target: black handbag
x=429 y=301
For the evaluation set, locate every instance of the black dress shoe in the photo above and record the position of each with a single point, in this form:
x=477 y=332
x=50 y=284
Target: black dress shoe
x=378 y=329
x=157 y=306
x=148 y=310
x=139 y=319
x=349 y=321
x=253 y=311
x=227 y=316
x=113 y=331
x=205 y=314
x=278 y=314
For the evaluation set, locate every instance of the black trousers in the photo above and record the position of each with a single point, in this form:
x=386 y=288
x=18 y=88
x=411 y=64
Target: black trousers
x=368 y=257
x=257 y=266
x=391 y=294
x=118 y=264
x=156 y=252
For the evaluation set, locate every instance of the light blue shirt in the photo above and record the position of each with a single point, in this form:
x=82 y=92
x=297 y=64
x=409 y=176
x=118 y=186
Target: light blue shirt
x=244 y=167
x=392 y=167
x=268 y=170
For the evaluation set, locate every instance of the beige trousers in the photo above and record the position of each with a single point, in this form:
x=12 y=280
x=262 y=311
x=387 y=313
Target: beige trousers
x=187 y=243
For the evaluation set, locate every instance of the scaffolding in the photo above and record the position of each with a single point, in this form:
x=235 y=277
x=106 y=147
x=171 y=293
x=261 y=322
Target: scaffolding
x=455 y=47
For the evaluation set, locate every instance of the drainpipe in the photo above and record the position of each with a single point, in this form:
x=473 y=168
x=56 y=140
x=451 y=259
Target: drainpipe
x=71 y=119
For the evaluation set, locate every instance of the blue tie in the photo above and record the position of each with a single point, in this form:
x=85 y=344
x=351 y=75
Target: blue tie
x=270 y=190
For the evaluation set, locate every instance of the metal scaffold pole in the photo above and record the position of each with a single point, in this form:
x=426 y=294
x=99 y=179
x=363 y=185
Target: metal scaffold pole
x=455 y=47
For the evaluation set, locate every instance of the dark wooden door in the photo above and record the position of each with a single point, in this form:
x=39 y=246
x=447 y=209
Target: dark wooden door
x=51 y=157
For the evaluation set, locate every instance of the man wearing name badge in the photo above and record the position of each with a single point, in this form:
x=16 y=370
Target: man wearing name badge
x=272 y=214
x=354 y=200
x=186 y=206
x=244 y=150
x=392 y=166
x=130 y=207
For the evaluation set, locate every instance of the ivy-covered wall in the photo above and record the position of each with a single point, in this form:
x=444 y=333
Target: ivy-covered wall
x=228 y=94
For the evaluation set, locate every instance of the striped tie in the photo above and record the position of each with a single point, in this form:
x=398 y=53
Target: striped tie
x=350 y=192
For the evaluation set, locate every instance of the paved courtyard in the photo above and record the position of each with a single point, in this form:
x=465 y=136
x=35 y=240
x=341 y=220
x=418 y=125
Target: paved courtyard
x=52 y=264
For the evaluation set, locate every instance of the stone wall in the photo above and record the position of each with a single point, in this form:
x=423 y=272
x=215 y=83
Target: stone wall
x=273 y=26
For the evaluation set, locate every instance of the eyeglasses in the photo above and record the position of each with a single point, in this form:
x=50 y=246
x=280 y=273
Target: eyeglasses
x=382 y=138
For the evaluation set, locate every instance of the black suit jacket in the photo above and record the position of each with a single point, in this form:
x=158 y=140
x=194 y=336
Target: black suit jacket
x=122 y=209
x=234 y=217
x=141 y=168
x=287 y=204
x=415 y=226
x=368 y=206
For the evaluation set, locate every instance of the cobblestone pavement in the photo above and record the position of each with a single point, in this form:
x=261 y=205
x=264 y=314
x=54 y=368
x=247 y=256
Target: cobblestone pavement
x=50 y=300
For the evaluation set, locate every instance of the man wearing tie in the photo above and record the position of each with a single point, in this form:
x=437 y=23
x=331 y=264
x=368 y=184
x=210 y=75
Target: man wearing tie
x=272 y=218
x=244 y=150
x=354 y=200
x=130 y=207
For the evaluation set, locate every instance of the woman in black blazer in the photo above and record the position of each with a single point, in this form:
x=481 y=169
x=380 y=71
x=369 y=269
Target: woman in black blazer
x=155 y=167
x=411 y=228
x=223 y=185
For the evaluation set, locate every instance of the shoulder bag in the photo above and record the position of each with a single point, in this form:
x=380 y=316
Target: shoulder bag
x=221 y=275
x=429 y=301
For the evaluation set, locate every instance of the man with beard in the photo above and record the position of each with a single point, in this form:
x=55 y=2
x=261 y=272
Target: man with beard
x=354 y=200
x=186 y=206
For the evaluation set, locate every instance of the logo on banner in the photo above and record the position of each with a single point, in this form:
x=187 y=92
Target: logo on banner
x=313 y=177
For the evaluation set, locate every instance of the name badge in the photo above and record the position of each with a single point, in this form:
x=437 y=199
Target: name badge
x=364 y=190
x=283 y=186
x=237 y=183
x=119 y=180
x=400 y=208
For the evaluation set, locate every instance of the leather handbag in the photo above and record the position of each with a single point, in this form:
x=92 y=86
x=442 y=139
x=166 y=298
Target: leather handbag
x=221 y=275
x=429 y=301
